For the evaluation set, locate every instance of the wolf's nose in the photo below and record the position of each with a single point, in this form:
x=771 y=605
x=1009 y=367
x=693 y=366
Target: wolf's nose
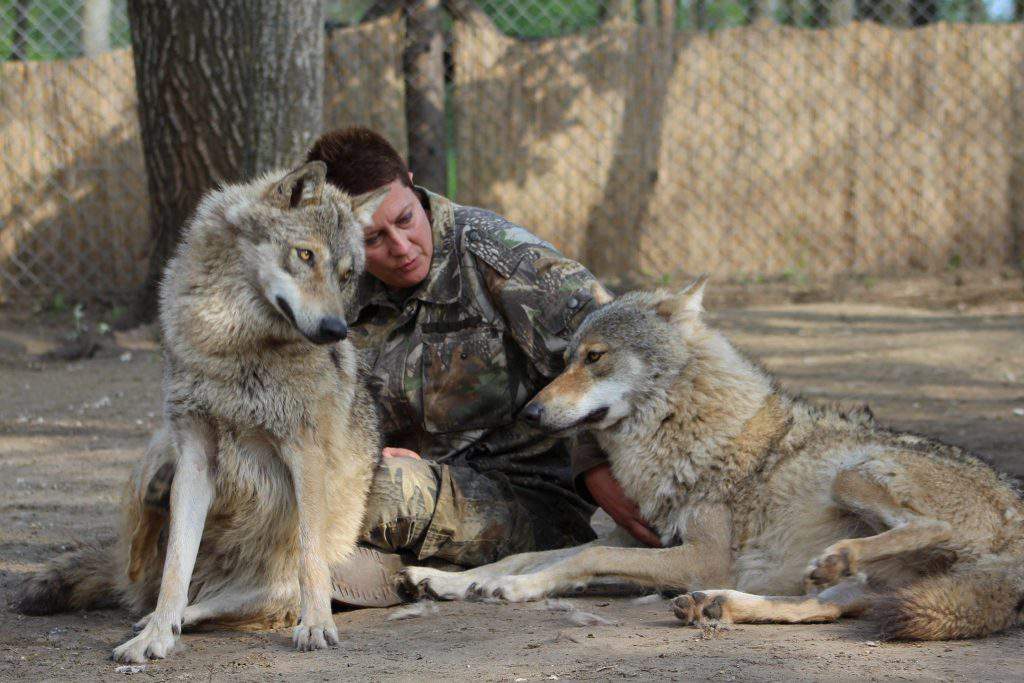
x=532 y=412
x=333 y=329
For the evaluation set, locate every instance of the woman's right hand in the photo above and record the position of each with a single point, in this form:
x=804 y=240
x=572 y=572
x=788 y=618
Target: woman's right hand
x=608 y=493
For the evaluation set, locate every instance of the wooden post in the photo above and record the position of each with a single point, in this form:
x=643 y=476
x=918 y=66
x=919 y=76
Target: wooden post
x=424 y=93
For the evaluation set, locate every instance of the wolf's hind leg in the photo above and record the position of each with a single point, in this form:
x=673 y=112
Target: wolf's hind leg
x=863 y=494
x=848 y=598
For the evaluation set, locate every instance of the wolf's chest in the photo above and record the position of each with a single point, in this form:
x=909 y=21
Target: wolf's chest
x=250 y=472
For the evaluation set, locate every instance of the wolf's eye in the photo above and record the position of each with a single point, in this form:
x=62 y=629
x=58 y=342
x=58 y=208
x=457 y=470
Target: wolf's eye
x=593 y=356
x=305 y=255
x=345 y=276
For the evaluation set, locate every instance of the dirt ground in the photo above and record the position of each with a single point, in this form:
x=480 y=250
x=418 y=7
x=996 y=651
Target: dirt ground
x=70 y=430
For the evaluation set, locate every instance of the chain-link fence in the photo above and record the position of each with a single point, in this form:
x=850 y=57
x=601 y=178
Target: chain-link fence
x=753 y=139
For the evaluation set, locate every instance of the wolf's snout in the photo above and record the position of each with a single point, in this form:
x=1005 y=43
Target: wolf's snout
x=532 y=413
x=331 y=330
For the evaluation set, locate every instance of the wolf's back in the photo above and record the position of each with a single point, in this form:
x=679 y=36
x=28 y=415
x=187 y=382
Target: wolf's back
x=83 y=579
x=969 y=603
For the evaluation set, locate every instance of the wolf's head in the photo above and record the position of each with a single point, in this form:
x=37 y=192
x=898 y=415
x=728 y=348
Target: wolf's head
x=623 y=352
x=277 y=257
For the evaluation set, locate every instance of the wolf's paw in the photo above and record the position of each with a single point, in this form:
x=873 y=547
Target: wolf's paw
x=828 y=570
x=155 y=640
x=416 y=582
x=701 y=607
x=513 y=588
x=315 y=633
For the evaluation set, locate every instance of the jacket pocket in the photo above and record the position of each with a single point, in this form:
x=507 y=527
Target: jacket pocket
x=466 y=383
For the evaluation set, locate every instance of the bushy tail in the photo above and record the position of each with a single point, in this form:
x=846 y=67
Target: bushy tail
x=969 y=603
x=84 y=579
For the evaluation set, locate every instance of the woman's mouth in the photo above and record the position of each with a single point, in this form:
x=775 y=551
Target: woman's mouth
x=407 y=266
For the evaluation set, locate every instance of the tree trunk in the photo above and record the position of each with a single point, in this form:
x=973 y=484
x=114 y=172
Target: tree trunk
x=95 y=27
x=424 y=93
x=226 y=90
x=976 y=11
x=1018 y=10
x=758 y=9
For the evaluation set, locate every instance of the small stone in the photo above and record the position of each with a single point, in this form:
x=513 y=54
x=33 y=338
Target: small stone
x=128 y=670
x=1019 y=412
x=125 y=357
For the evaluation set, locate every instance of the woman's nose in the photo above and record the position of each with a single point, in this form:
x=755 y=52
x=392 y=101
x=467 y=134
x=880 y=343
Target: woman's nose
x=398 y=245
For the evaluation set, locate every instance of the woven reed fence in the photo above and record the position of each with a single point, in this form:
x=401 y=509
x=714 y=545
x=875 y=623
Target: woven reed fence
x=751 y=152
x=754 y=151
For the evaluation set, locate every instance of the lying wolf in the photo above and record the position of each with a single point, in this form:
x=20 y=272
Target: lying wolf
x=776 y=510
x=256 y=485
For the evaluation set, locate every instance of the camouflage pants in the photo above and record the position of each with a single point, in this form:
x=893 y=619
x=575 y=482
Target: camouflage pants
x=458 y=514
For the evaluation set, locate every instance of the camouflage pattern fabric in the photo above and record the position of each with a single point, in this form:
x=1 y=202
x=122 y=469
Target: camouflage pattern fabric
x=430 y=510
x=453 y=361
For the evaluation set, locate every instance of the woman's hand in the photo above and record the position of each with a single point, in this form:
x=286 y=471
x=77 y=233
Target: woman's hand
x=391 y=452
x=609 y=495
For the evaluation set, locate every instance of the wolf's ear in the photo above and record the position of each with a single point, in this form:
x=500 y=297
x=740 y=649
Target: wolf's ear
x=365 y=205
x=302 y=187
x=601 y=295
x=685 y=303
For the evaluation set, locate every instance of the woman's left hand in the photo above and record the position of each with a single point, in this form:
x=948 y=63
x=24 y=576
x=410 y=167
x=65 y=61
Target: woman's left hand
x=393 y=452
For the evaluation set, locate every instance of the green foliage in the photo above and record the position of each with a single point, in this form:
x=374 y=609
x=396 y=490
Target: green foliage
x=544 y=18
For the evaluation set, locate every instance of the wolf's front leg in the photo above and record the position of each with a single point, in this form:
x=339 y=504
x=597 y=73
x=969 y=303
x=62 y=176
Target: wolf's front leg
x=191 y=496
x=704 y=559
x=306 y=460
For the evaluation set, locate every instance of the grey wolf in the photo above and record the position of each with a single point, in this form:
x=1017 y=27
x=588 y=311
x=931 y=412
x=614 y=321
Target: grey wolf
x=255 y=487
x=774 y=510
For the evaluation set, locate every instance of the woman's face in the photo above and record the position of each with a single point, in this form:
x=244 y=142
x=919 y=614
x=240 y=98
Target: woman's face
x=399 y=244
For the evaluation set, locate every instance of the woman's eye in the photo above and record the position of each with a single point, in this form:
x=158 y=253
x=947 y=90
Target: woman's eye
x=405 y=219
x=305 y=255
x=372 y=240
x=593 y=356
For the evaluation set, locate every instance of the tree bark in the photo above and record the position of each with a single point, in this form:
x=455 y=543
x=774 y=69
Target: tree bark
x=227 y=89
x=423 y=62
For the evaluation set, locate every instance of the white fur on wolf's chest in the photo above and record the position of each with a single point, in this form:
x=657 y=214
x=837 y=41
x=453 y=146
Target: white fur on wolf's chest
x=652 y=471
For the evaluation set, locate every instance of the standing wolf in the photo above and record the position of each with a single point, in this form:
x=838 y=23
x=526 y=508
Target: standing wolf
x=789 y=512
x=255 y=488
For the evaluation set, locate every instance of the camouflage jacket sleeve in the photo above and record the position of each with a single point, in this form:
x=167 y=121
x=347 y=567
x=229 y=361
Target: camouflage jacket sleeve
x=543 y=297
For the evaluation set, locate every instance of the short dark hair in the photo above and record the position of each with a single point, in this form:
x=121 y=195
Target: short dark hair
x=359 y=159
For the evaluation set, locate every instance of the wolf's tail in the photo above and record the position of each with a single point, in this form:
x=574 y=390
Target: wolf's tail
x=84 y=579
x=967 y=603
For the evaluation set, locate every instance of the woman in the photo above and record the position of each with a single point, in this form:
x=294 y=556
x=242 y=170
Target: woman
x=461 y=318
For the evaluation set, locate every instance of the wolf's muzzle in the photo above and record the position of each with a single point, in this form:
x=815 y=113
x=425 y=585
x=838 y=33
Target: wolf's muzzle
x=532 y=413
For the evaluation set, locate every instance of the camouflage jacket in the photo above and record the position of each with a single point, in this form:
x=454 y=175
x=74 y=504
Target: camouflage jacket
x=453 y=361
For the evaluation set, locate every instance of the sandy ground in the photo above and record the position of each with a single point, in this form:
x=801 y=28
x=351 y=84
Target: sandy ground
x=70 y=430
